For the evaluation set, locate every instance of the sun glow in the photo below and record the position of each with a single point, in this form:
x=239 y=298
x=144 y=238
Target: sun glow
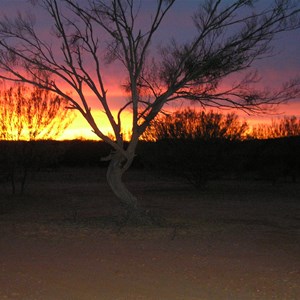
x=80 y=129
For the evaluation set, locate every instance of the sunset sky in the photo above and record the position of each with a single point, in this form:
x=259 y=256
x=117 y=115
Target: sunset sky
x=274 y=70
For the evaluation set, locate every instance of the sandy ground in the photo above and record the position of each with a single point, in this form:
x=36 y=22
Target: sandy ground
x=214 y=249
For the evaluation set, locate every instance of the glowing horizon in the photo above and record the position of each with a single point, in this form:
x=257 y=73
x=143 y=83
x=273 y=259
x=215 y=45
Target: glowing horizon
x=178 y=25
x=80 y=129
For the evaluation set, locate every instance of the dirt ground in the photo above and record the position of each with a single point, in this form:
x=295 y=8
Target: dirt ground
x=232 y=240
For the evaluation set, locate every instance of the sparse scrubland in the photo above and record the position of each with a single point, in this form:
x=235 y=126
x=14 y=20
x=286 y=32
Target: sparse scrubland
x=206 y=219
x=235 y=237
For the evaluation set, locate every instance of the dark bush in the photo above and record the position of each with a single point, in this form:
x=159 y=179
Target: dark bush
x=201 y=161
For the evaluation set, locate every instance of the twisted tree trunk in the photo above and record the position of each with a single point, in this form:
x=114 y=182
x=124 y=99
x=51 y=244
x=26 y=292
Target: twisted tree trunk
x=117 y=167
x=135 y=214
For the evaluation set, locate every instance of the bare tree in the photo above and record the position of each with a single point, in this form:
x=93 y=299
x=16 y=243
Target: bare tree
x=32 y=114
x=29 y=114
x=286 y=127
x=190 y=124
x=88 y=34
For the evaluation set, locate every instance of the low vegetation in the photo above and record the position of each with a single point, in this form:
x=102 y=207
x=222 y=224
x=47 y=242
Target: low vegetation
x=195 y=145
x=286 y=127
x=195 y=161
x=32 y=114
x=190 y=124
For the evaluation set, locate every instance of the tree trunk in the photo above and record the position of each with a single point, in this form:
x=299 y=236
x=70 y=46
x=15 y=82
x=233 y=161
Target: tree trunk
x=135 y=214
x=115 y=171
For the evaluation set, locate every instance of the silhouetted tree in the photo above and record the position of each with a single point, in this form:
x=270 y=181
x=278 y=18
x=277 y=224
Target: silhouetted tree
x=190 y=124
x=32 y=114
x=286 y=127
x=28 y=115
x=86 y=35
